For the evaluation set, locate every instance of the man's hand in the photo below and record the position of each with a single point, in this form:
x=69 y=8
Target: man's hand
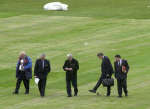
x=68 y=69
x=124 y=69
x=107 y=75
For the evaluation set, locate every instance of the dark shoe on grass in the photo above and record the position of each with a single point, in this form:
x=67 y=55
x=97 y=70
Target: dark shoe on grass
x=26 y=93
x=119 y=96
x=69 y=96
x=92 y=91
x=42 y=96
x=108 y=95
x=126 y=94
x=15 y=93
x=75 y=94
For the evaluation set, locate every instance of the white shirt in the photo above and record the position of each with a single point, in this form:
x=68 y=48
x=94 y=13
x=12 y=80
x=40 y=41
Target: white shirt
x=120 y=62
x=43 y=63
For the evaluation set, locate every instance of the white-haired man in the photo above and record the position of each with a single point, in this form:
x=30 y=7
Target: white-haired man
x=41 y=70
x=71 y=66
x=23 y=72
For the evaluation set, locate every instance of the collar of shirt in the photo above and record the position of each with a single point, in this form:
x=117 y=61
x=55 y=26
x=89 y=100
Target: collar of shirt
x=120 y=61
x=43 y=63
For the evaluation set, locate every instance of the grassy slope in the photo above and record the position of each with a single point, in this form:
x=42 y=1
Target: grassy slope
x=135 y=9
x=116 y=27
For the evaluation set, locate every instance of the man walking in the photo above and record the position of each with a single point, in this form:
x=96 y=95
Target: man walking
x=41 y=70
x=121 y=71
x=23 y=72
x=107 y=71
x=71 y=66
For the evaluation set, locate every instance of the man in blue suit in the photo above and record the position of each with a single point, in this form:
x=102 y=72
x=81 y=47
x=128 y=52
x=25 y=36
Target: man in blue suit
x=23 y=72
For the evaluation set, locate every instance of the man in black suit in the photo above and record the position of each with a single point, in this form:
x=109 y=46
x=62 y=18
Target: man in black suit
x=121 y=71
x=71 y=66
x=107 y=71
x=41 y=70
x=23 y=72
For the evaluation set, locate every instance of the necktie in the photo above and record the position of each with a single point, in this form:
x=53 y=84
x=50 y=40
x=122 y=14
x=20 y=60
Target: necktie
x=119 y=63
x=43 y=64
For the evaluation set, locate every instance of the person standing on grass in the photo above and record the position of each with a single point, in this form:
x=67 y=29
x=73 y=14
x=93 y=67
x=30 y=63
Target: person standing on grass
x=41 y=70
x=71 y=66
x=23 y=72
x=121 y=71
x=107 y=71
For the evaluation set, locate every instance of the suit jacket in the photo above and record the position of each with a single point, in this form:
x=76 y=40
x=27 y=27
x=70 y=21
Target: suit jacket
x=71 y=64
x=119 y=74
x=106 y=67
x=42 y=71
x=27 y=68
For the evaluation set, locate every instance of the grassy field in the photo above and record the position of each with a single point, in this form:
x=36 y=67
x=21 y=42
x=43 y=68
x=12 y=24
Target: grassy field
x=110 y=26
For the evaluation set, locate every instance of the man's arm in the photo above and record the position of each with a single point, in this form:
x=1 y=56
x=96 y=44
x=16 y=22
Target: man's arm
x=35 y=68
x=17 y=69
x=49 y=66
x=77 y=65
x=65 y=66
x=115 y=69
x=108 y=67
x=29 y=65
x=127 y=66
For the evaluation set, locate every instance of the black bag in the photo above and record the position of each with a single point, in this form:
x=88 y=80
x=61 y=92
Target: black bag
x=108 y=82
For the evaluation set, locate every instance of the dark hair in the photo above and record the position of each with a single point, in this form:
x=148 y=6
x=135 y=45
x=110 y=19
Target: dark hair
x=100 y=54
x=117 y=56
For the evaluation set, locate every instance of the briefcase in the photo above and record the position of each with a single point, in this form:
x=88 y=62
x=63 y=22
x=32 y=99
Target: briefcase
x=108 y=82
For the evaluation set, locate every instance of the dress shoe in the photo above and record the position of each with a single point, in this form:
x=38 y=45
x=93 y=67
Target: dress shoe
x=75 y=94
x=42 y=96
x=126 y=94
x=108 y=95
x=119 y=96
x=93 y=91
x=69 y=96
x=15 y=93
x=26 y=93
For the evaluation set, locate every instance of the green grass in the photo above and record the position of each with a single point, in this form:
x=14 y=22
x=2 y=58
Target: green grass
x=133 y=9
x=111 y=26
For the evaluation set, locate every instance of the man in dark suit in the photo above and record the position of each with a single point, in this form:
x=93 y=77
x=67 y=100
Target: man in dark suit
x=107 y=71
x=23 y=72
x=71 y=66
x=41 y=70
x=121 y=71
